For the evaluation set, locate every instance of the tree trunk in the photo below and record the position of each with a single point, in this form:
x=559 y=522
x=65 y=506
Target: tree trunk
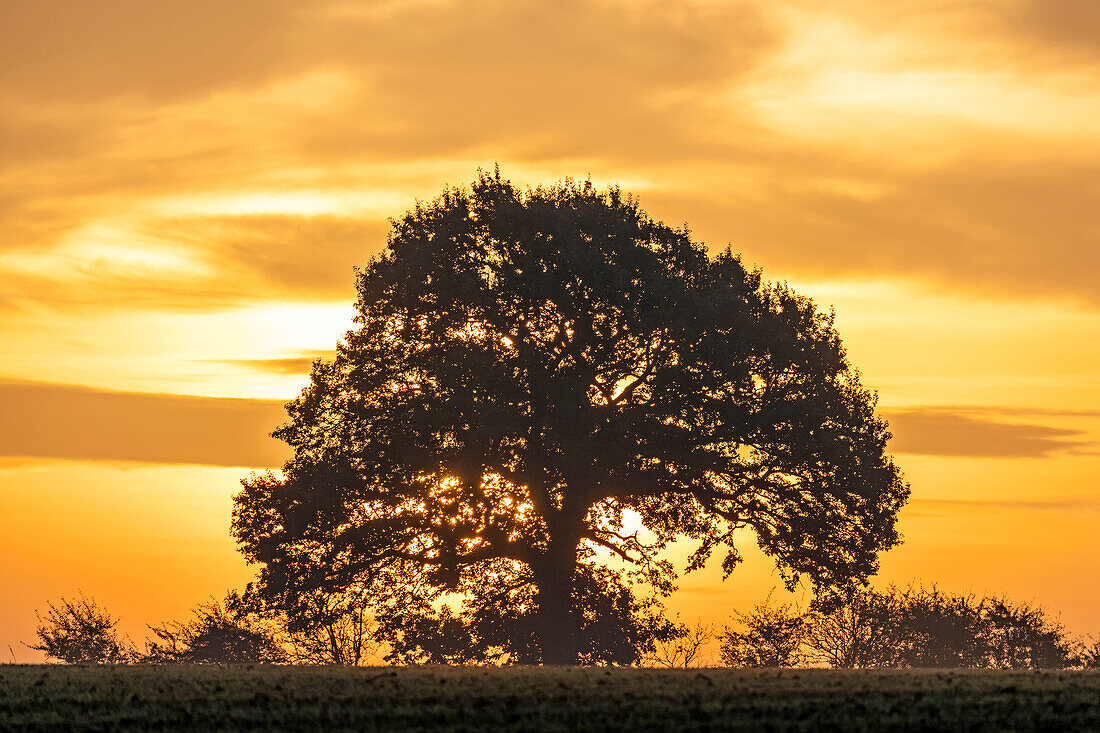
x=558 y=625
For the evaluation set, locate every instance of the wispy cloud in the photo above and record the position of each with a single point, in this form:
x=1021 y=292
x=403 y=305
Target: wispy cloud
x=859 y=140
x=283 y=365
x=70 y=422
x=1041 y=505
x=963 y=432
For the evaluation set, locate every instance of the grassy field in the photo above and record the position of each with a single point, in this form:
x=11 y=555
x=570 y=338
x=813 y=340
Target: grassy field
x=533 y=699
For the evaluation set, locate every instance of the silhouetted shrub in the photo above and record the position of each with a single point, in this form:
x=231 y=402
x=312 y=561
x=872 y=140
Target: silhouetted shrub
x=770 y=636
x=933 y=629
x=910 y=628
x=80 y=632
x=220 y=632
x=1087 y=653
x=857 y=634
x=685 y=648
x=1019 y=636
x=335 y=627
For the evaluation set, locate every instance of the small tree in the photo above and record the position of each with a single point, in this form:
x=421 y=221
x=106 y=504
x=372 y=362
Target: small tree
x=443 y=637
x=332 y=628
x=685 y=648
x=937 y=629
x=1087 y=653
x=1020 y=636
x=80 y=632
x=220 y=632
x=859 y=633
x=771 y=636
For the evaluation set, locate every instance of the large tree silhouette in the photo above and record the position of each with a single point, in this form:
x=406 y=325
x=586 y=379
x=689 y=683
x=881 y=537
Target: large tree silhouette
x=532 y=368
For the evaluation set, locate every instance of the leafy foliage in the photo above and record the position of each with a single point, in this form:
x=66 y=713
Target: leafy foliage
x=495 y=626
x=913 y=628
x=685 y=647
x=935 y=629
x=531 y=368
x=220 y=632
x=1087 y=653
x=326 y=628
x=1020 y=636
x=80 y=632
x=770 y=636
x=859 y=633
x=919 y=627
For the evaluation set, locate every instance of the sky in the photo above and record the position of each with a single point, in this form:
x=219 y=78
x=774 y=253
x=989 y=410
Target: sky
x=185 y=188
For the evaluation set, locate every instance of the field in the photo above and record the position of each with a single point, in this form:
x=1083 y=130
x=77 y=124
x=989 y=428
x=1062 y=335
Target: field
x=533 y=699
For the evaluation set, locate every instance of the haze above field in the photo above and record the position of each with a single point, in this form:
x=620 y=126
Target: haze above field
x=187 y=186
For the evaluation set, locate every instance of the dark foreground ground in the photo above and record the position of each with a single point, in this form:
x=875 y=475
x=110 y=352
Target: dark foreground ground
x=532 y=699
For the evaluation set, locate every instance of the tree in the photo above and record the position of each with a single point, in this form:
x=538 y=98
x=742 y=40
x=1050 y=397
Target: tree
x=1021 y=636
x=80 y=632
x=685 y=647
x=771 y=636
x=859 y=633
x=530 y=369
x=220 y=633
x=1087 y=653
x=937 y=629
x=327 y=628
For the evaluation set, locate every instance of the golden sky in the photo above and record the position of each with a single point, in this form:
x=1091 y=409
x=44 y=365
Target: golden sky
x=185 y=187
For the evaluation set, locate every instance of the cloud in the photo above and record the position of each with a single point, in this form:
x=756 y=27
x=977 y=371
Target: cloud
x=70 y=422
x=120 y=107
x=1015 y=411
x=940 y=508
x=527 y=79
x=77 y=50
x=957 y=432
x=288 y=365
x=1070 y=25
x=203 y=262
x=304 y=255
x=1041 y=505
x=1000 y=228
x=858 y=141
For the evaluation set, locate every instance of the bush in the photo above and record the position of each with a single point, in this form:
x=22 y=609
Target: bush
x=858 y=634
x=1019 y=636
x=919 y=627
x=772 y=636
x=684 y=648
x=936 y=630
x=81 y=632
x=224 y=632
x=1087 y=653
x=335 y=628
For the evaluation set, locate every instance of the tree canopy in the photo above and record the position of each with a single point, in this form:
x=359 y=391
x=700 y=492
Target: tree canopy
x=533 y=374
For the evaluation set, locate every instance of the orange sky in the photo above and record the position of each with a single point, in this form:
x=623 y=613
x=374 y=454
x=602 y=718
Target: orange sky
x=185 y=187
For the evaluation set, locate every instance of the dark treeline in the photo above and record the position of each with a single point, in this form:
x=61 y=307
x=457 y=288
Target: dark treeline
x=914 y=627
x=334 y=630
